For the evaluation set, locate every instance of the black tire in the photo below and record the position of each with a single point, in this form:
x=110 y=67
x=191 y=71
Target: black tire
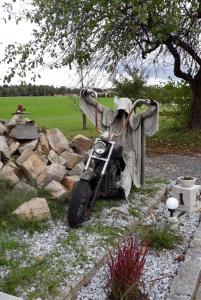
x=79 y=210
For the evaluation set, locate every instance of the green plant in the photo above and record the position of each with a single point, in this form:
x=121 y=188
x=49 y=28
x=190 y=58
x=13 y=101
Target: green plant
x=133 y=212
x=160 y=236
x=187 y=178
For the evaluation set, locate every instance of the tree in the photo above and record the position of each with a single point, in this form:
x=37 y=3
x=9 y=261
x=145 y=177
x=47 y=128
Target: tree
x=111 y=31
x=131 y=84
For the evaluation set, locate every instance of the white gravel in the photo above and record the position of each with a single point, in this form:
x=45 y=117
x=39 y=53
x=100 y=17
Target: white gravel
x=160 y=267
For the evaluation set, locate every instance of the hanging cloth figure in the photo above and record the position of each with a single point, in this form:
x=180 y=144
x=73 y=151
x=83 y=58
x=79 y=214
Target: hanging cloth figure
x=132 y=138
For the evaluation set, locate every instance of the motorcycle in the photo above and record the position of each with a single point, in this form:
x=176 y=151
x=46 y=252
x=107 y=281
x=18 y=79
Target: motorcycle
x=103 y=180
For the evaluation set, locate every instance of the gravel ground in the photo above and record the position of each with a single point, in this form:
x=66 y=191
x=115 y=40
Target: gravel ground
x=160 y=267
x=173 y=166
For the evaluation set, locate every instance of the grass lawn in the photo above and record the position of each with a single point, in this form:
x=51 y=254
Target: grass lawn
x=64 y=113
x=60 y=112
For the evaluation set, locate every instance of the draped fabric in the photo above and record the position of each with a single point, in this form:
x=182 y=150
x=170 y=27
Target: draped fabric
x=132 y=138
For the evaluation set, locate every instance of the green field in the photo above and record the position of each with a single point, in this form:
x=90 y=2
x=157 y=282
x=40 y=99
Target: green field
x=64 y=113
x=49 y=112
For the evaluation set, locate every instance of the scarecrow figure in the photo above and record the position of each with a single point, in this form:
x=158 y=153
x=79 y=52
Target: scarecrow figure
x=132 y=138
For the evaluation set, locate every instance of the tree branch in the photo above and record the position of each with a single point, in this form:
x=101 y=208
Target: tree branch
x=187 y=48
x=177 y=64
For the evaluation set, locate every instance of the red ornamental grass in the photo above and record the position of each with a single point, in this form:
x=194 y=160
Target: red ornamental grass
x=125 y=270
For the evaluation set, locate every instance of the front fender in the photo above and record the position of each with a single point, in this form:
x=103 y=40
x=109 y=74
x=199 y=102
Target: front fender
x=89 y=176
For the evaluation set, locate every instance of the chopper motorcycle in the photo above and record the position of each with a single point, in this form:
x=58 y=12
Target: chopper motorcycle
x=102 y=181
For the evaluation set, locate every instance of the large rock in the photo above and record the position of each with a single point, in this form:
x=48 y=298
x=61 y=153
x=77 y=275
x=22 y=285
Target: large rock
x=77 y=170
x=1 y=165
x=52 y=172
x=24 y=132
x=57 y=140
x=4 y=149
x=72 y=159
x=81 y=143
x=14 y=147
x=8 y=173
x=55 y=158
x=26 y=188
x=24 y=156
x=3 y=129
x=29 y=145
x=43 y=147
x=36 y=208
x=33 y=166
x=57 y=190
x=69 y=181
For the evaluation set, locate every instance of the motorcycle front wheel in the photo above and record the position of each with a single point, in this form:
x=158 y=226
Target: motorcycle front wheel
x=79 y=208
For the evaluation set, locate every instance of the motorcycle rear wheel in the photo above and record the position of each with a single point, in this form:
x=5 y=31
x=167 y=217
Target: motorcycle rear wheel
x=79 y=209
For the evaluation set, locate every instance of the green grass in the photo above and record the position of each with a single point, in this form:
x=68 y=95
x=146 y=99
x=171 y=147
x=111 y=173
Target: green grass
x=159 y=236
x=49 y=112
x=109 y=234
x=133 y=212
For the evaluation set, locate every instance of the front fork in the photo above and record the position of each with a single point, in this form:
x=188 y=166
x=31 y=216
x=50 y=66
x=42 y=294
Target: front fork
x=95 y=194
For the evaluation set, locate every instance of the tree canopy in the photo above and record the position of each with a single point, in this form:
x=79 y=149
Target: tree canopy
x=105 y=33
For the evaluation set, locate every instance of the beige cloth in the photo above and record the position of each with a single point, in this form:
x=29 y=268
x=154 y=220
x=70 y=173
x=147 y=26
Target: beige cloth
x=132 y=139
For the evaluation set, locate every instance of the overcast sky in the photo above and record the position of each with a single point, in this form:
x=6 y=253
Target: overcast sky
x=12 y=33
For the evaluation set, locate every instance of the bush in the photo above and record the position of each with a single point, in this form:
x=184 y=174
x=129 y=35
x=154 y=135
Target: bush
x=159 y=236
x=124 y=274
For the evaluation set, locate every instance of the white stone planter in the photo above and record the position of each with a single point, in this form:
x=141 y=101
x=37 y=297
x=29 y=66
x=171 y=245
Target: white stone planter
x=186 y=182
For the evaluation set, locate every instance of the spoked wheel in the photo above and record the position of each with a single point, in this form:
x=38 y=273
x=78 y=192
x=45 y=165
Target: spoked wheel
x=79 y=209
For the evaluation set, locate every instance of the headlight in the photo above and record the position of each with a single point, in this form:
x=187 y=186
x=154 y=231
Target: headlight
x=100 y=148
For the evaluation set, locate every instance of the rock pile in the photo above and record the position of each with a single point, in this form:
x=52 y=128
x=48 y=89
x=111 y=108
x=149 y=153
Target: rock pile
x=46 y=158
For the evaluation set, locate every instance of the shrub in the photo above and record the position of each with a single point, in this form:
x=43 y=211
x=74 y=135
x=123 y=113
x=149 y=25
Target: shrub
x=124 y=272
x=159 y=236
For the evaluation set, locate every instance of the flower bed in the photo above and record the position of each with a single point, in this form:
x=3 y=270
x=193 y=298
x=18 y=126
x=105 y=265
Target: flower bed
x=160 y=267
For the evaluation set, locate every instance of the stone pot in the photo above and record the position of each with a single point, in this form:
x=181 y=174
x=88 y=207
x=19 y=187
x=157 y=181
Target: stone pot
x=186 y=181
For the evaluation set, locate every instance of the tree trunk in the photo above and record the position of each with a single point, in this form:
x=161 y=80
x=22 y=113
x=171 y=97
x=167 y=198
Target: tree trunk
x=84 y=121
x=196 y=109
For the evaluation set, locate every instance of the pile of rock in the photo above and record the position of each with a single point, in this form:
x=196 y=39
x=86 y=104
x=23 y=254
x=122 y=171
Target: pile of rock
x=45 y=158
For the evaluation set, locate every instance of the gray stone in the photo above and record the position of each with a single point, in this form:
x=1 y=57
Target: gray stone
x=33 y=166
x=36 y=208
x=186 y=281
x=29 y=145
x=8 y=173
x=14 y=147
x=3 y=129
x=57 y=159
x=4 y=296
x=72 y=159
x=4 y=149
x=1 y=165
x=180 y=297
x=77 y=170
x=81 y=143
x=57 y=140
x=57 y=190
x=43 y=147
x=26 y=188
x=52 y=172
x=24 y=156
x=24 y=132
